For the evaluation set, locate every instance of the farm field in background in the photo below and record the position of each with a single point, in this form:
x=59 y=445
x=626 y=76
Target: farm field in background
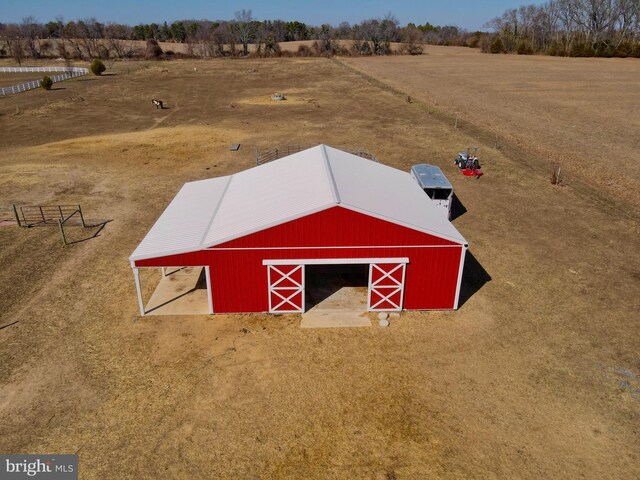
x=536 y=376
x=580 y=113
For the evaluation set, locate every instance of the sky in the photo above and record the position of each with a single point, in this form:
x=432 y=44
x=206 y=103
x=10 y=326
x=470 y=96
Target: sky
x=466 y=14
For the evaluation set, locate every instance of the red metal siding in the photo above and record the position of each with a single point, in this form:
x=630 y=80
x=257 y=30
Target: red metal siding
x=239 y=280
x=432 y=278
x=335 y=227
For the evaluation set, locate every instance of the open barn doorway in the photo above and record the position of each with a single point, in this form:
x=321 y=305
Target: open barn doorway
x=178 y=291
x=322 y=282
x=336 y=295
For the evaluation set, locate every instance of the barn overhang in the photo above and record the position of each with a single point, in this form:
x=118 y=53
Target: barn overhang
x=136 y=278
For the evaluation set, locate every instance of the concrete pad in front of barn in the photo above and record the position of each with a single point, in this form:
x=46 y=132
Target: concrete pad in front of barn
x=182 y=291
x=347 y=307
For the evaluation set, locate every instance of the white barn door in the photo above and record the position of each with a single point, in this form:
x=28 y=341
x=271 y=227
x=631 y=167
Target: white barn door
x=386 y=286
x=286 y=288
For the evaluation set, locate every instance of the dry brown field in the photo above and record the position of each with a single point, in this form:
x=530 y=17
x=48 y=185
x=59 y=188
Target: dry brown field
x=582 y=114
x=11 y=79
x=537 y=375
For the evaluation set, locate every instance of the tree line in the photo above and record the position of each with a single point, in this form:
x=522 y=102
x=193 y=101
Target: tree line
x=557 y=27
x=89 y=38
x=578 y=28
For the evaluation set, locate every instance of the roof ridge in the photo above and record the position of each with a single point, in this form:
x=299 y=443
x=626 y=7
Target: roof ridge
x=332 y=180
x=215 y=212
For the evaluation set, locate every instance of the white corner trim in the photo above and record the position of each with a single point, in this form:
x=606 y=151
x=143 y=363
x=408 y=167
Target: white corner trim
x=463 y=252
x=209 y=289
x=136 y=276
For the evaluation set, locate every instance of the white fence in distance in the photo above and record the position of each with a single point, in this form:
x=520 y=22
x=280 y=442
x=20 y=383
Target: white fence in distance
x=68 y=72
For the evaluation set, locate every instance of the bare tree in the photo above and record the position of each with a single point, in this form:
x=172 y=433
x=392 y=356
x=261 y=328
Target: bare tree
x=326 y=44
x=73 y=38
x=202 y=38
x=59 y=33
x=90 y=32
x=15 y=43
x=219 y=35
x=412 y=37
x=118 y=39
x=378 y=34
x=30 y=32
x=388 y=32
x=572 y=27
x=244 y=29
x=344 y=30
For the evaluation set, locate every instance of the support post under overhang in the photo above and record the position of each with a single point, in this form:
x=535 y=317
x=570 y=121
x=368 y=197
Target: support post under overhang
x=136 y=276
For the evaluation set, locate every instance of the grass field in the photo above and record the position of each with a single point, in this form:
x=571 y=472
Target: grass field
x=11 y=79
x=536 y=376
x=579 y=113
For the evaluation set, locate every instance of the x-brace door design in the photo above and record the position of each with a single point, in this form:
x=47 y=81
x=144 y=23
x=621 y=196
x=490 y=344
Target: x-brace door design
x=386 y=286
x=286 y=288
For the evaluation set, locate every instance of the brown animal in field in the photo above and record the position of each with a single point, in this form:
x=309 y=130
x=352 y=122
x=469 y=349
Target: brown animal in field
x=158 y=104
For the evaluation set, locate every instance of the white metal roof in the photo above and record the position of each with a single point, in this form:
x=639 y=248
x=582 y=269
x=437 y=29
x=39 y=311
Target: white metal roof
x=271 y=194
x=430 y=176
x=210 y=212
x=183 y=224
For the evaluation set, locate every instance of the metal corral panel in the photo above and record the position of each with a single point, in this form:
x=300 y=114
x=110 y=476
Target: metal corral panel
x=211 y=212
x=239 y=278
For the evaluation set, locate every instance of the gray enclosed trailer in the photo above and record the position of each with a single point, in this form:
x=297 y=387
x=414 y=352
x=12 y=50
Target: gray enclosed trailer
x=435 y=185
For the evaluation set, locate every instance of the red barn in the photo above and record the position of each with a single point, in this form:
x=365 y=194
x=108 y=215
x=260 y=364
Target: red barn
x=256 y=232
